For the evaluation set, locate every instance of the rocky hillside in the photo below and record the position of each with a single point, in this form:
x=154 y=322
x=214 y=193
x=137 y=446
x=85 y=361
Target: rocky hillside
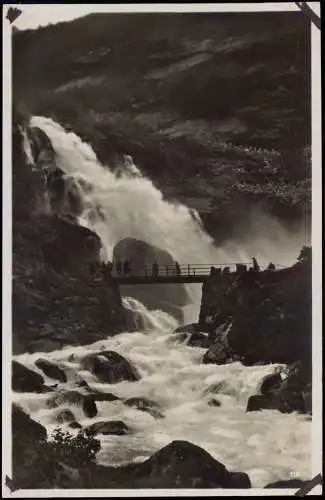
x=261 y=317
x=56 y=301
x=215 y=109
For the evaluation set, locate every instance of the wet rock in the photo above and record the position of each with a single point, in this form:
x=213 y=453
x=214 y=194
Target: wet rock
x=46 y=389
x=219 y=353
x=110 y=367
x=146 y=405
x=237 y=480
x=272 y=316
x=86 y=402
x=63 y=397
x=65 y=416
x=190 y=328
x=115 y=427
x=89 y=407
x=180 y=337
x=182 y=464
x=24 y=428
x=214 y=402
x=25 y=380
x=51 y=370
x=289 y=393
x=270 y=382
x=286 y=484
x=75 y=425
x=107 y=397
x=260 y=402
x=199 y=339
x=71 y=247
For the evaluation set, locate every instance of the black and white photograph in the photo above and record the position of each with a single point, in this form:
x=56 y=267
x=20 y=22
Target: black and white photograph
x=162 y=187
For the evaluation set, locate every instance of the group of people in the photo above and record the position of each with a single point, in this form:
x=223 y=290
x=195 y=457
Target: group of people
x=124 y=268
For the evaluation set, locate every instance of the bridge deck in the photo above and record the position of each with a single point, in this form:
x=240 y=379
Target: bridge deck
x=152 y=280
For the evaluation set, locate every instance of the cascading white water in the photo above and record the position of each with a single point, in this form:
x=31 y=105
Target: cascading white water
x=267 y=445
x=131 y=206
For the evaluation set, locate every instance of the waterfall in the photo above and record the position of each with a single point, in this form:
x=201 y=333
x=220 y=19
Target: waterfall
x=267 y=445
x=117 y=206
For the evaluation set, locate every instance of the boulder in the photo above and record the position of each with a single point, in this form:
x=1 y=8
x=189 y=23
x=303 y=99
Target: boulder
x=89 y=406
x=286 y=484
x=75 y=425
x=115 y=427
x=214 y=402
x=219 y=353
x=199 y=339
x=181 y=464
x=288 y=394
x=86 y=402
x=170 y=298
x=24 y=379
x=65 y=416
x=51 y=370
x=72 y=247
x=146 y=405
x=24 y=428
x=270 y=382
x=104 y=396
x=260 y=402
x=110 y=367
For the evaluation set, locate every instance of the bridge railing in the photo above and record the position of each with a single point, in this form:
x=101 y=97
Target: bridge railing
x=172 y=270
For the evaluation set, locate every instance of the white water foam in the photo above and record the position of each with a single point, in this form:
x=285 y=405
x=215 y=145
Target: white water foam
x=131 y=206
x=267 y=445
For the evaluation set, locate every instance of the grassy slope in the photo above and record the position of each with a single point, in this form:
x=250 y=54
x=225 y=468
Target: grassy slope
x=183 y=94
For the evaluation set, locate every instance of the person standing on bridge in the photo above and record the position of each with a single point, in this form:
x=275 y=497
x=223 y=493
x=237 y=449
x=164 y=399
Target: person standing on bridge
x=109 y=269
x=126 y=267
x=178 y=269
x=118 y=266
x=155 y=270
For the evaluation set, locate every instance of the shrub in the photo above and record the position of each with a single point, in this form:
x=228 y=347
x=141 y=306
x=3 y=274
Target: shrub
x=75 y=451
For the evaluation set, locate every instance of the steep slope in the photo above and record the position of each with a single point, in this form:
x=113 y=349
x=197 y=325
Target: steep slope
x=190 y=97
x=55 y=299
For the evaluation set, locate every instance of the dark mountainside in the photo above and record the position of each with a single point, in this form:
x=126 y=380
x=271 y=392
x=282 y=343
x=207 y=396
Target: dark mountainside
x=188 y=98
x=214 y=109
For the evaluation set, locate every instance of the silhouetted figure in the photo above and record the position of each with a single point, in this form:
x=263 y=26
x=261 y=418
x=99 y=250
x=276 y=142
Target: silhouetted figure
x=118 y=266
x=108 y=270
x=305 y=254
x=126 y=267
x=241 y=269
x=155 y=270
x=178 y=269
x=226 y=270
x=271 y=267
x=212 y=271
x=92 y=268
x=256 y=267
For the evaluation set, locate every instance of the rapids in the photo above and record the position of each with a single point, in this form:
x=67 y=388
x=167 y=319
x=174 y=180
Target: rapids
x=267 y=445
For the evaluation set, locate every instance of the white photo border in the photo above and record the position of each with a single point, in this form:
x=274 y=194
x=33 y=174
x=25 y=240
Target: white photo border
x=78 y=11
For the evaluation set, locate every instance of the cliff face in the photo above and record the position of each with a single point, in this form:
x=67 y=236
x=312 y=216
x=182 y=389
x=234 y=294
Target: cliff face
x=269 y=312
x=261 y=318
x=55 y=299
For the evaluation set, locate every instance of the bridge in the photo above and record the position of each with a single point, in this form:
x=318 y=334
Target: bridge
x=163 y=274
